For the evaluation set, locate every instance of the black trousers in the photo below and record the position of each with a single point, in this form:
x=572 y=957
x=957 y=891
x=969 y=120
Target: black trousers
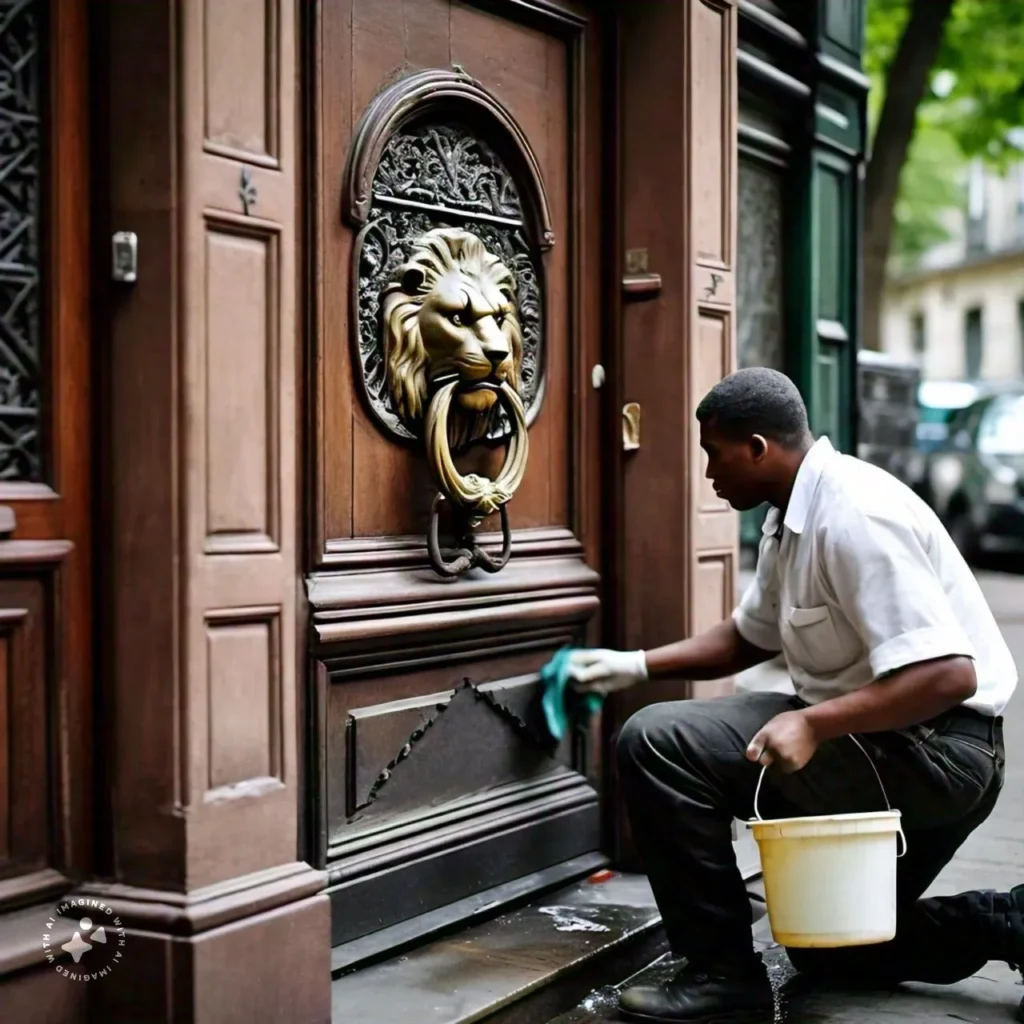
x=685 y=778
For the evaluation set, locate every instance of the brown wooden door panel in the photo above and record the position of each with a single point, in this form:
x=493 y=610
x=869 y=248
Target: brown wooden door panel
x=369 y=486
x=24 y=814
x=45 y=465
x=678 y=125
x=529 y=71
x=418 y=750
x=432 y=776
x=432 y=740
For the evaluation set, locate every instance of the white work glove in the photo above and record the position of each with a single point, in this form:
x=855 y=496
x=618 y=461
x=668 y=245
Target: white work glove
x=601 y=671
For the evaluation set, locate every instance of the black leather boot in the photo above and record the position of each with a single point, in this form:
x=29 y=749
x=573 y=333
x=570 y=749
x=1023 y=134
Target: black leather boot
x=703 y=995
x=1009 y=919
x=991 y=923
x=1001 y=935
x=1013 y=918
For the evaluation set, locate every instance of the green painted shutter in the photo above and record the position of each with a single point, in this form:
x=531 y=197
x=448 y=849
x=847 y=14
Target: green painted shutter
x=831 y=328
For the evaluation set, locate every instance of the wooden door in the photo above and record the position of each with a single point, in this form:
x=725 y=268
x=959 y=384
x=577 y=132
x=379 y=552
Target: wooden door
x=431 y=778
x=45 y=635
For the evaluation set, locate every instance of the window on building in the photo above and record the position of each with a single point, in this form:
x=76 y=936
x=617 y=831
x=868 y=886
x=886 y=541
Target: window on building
x=1020 y=335
x=1020 y=205
x=917 y=334
x=977 y=208
x=973 y=343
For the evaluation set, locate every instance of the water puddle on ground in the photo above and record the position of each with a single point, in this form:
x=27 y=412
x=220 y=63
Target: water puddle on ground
x=574 y=919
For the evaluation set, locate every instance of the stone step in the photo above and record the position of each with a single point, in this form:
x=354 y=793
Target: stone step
x=525 y=966
x=388 y=943
x=531 y=959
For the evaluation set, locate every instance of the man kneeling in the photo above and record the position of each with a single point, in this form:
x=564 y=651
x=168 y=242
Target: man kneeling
x=888 y=638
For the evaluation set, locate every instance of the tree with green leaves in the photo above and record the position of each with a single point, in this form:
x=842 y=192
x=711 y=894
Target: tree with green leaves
x=948 y=84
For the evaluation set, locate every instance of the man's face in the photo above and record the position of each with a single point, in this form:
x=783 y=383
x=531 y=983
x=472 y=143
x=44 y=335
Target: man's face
x=737 y=469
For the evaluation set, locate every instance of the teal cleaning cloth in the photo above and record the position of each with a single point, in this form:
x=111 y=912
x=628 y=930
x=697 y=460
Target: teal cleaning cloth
x=560 y=702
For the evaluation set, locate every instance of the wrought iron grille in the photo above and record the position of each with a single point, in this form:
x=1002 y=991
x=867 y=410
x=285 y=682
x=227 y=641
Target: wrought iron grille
x=20 y=332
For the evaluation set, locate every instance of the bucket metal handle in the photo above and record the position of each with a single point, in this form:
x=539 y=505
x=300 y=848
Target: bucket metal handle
x=881 y=786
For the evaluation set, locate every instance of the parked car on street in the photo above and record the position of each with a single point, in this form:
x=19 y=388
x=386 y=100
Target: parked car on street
x=975 y=479
x=938 y=402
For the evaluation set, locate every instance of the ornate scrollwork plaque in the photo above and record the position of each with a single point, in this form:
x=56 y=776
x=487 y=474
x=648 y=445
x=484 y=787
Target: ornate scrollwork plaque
x=440 y=176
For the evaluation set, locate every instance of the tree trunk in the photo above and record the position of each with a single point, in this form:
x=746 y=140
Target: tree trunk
x=905 y=84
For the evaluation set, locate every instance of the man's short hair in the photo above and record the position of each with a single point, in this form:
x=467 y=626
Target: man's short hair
x=756 y=400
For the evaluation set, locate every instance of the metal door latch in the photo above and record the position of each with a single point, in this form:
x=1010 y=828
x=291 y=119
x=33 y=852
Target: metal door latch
x=125 y=256
x=631 y=426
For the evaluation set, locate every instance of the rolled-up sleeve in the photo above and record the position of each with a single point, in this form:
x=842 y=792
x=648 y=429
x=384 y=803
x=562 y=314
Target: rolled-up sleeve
x=757 y=615
x=888 y=589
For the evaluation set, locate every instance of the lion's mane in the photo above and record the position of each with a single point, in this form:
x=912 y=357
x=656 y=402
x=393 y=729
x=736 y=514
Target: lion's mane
x=436 y=254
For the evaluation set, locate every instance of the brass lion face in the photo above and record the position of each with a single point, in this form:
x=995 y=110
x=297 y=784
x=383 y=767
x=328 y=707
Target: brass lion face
x=450 y=311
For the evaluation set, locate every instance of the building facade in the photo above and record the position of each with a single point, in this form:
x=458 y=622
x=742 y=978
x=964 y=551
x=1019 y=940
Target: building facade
x=350 y=353
x=801 y=142
x=960 y=312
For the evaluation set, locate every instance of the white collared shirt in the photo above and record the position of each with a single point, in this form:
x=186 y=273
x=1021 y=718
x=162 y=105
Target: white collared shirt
x=862 y=580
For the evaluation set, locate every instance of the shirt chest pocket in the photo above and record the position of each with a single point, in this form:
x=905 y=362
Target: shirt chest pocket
x=815 y=642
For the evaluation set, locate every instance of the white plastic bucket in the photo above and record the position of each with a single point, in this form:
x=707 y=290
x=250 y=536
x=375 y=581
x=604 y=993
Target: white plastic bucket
x=830 y=881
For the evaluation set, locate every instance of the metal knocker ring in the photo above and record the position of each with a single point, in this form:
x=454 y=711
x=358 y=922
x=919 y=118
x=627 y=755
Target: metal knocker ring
x=473 y=496
x=469 y=555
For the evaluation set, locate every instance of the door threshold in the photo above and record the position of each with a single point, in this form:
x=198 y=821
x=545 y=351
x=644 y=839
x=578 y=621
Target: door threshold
x=393 y=940
x=528 y=964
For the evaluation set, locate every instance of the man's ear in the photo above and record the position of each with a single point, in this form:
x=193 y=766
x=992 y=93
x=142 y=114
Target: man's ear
x=758 y=447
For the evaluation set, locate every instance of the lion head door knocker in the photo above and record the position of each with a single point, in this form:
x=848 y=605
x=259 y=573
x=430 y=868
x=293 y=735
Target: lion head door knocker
x=448 y=291
x=453 y=349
